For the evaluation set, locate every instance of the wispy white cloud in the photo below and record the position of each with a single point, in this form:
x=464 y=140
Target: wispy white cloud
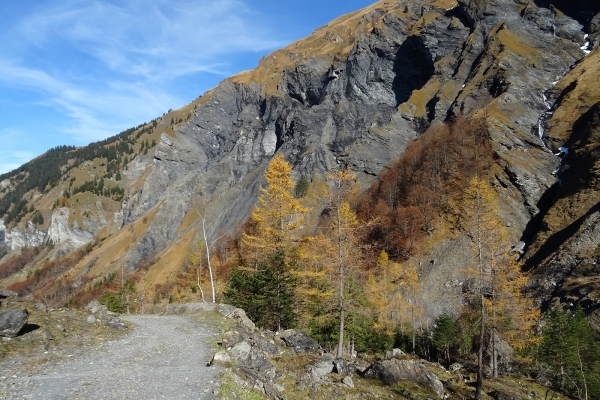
x=103 y=63
x=9 y=157
x=154 y=39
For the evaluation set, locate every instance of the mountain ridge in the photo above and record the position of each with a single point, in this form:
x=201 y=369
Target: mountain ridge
x=355 y=93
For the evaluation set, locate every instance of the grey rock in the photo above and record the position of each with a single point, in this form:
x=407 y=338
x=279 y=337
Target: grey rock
x=238 y=315
x=392 y=371
x=393 y=353
x=259 y=342
x=5 y=293
x=221 y=358
x=60 y=328
x=114 y=323
x=11 y=321
x=341 y=366
x=299 y=341
x=455 y=367
x=321 y=368
x=497 y=395
x=231 y=338
x=94 y=307
x=91 y=319
x=348 y=382
x=273 y=390
x=240 y=352
x=258 y=361
x=40 y=307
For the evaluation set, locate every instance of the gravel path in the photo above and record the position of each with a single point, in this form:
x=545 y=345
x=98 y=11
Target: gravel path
x=164 y=357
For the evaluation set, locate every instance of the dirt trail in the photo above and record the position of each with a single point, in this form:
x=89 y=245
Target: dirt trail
x=164 y=357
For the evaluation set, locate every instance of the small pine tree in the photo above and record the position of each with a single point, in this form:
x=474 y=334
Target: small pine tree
x=266 y=293
x=570 y=353
x=301 y=187
x=444 y=336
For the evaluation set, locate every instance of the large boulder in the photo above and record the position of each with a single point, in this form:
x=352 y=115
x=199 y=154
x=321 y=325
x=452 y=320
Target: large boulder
x=94 y=306
x=300 y=342
x=238 y=315
x=221 y=358
x=393 y=371
x=240 y=352
x=321 y=368
x=12 y=320
x=233 y=337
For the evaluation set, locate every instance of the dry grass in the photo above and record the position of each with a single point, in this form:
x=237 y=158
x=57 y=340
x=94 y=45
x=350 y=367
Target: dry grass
x=445 y=4
x=190 y=217
x=418 y=100
x=515 y=44
x=170 y=262
x=46 y=342
x=579 y=99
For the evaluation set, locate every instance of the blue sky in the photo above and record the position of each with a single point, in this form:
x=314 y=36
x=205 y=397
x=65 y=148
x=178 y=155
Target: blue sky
x=77 y=71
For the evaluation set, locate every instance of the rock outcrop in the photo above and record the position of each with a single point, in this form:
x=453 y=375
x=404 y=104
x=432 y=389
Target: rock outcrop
x=65 y=235
x=393 y=371
x=18 y=238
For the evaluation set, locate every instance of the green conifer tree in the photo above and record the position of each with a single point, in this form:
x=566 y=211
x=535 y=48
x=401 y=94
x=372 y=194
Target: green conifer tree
x=570 y=353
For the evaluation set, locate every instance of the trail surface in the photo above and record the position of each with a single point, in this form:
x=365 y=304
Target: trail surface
x=164 y=357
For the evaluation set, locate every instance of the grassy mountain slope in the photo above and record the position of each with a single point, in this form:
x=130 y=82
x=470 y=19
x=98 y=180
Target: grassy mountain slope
x=355 y=93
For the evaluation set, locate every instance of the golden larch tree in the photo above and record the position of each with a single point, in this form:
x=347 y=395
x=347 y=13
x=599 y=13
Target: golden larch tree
x=278 y=214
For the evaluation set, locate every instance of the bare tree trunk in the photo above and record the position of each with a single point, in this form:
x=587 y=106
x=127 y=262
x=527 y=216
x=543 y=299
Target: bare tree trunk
x=212 y=282
x=479 y=384
x=582 y=373
x=340 y=350
x=199 y=287
x=412 y=324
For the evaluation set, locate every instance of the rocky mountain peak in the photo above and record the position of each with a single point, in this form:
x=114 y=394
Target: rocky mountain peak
x=352 y=94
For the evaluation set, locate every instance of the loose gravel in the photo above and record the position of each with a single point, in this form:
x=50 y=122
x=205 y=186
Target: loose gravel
x=164 y=357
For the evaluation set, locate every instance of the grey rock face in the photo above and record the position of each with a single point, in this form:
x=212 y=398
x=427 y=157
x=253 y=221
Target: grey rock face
x=392 y=371
x=12 y=320
x=341 y=366
x=359 y=111
x=18 y=238
x=61 y=233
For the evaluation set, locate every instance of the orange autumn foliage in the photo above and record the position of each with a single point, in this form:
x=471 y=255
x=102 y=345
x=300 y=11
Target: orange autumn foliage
x=411 y=194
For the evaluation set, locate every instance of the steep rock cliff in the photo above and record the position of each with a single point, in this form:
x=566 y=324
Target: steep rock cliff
x=355 y=93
